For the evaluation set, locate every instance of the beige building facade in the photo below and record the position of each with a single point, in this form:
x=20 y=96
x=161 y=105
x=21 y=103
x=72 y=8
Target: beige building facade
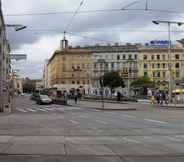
x=69 y=68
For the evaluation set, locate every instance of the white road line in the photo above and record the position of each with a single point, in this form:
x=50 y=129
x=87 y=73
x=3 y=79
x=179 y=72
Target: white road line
x=174 y=139
x=51 y=109
x=74 y=122
x=155 y=121
x=21 y=110
x=31 y=110
x=102 y=122
x=41 y=109
x=130 y=140
x=97 y=110
x=128 y=116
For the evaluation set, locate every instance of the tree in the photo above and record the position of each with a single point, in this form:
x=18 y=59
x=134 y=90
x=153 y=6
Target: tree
x=112 y=80
x=143 y=83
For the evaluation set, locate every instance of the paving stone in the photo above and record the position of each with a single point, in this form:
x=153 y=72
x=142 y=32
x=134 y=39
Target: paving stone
x=38 y=139
x=37 y=149
x=88 y=150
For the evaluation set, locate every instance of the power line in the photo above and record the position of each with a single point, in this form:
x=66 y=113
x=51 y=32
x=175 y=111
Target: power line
x=92 y=11
x=105 y=29
x=74 y=15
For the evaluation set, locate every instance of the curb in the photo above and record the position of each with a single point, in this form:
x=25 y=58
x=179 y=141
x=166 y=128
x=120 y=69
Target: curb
x=132 y=109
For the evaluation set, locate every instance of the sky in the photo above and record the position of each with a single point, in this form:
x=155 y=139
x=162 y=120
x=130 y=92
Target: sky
x=43 y=33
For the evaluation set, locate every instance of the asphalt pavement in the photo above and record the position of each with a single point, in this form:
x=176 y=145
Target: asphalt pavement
x=54 y=133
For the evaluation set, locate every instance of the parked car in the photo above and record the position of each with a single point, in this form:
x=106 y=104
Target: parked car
x=43 y=99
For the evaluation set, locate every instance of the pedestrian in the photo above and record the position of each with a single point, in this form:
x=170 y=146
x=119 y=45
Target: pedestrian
x=75 y=97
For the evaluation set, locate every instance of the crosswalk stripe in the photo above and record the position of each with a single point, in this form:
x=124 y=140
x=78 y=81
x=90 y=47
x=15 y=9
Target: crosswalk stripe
x=49 y=109
x=21 y=110
x=31 y=110
x=41 y=109
x=130 y=140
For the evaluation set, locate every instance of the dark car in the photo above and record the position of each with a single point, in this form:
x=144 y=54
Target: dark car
x=43 y=99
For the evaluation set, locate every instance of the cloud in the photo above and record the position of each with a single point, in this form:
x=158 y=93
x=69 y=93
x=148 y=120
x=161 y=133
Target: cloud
x=39 y=42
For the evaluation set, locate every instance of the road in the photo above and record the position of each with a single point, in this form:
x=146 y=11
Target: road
x=81 y=133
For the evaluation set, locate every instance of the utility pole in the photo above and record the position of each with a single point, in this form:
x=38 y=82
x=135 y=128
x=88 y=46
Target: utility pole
x=157 y=22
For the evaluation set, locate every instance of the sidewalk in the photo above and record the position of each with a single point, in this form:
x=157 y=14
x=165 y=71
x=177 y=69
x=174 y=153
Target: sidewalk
x=180 y=106
x=107 y=106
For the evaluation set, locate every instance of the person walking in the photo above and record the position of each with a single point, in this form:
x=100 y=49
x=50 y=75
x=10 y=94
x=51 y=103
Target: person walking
x=75 y=97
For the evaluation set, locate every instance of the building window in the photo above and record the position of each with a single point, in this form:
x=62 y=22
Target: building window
x=152 y=57
x=107 y=57
x=153 y=74
x=177 y=57
x=95 y=65
x=106 y=65
x=135 y=57
x=145 y=74
x=78 y=82
x=83 y=66
x=177 y=65
x=164 y=65
x=158 y=74
x=164 y=74
x=124 y=57
x=73 y=75
x=145 y=57
x=177 y=74
x=84 y=83
x=118 y=57
x=112 y=65
x=129 y=57
x=158 y=57
x=145 y=66
x=163 y=57
x=153 y=66
x=73 y=82
x=158 y=66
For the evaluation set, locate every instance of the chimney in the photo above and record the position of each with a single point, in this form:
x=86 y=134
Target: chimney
x=64 y=44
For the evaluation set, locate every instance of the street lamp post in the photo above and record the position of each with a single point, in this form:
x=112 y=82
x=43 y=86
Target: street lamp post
x=157 y=22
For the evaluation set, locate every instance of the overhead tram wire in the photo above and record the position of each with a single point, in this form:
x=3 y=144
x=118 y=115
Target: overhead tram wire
x=74 y=15
x=93 y=11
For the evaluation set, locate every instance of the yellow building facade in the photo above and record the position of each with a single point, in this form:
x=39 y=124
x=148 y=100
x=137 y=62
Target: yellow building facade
x=154 y=62
x=70 y=68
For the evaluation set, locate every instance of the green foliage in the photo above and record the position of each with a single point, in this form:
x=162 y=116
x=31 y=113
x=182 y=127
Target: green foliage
x=113 y=80
x=143 y=82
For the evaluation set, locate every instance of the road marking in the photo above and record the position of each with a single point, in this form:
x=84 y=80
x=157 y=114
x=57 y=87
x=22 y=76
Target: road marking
x=74 y=122
x=49 y=109
x=128 y=116
x=31 y=110
x=41 y=109
x=156 y=121
x=174 y=139
x=130 y=140
x=102 y=122
x=21 y=110
x=97 y=110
